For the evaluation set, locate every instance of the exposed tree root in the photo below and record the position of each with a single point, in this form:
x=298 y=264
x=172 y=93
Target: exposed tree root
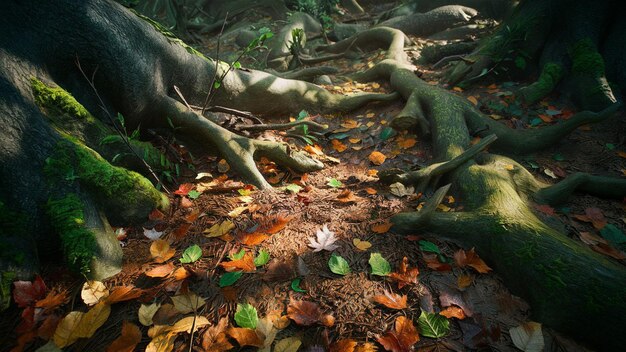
x=390 y=39
x=431 y=22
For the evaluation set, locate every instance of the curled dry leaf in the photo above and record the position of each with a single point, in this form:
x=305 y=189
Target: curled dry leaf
x=123 y=293
x=278 y=224
x=401 y=338
x=307 y=313
x=214 y=338
x=146 y=312
x=245 y=336
x=453 y=312
x=432 y=261
x=325 y=240
x=93 y=292
x=377 y=158
x=160 y=251
x=470 y=258
x=52 y=300
x=391 y=300
x=161 y=270
x=253 y=239
x=405 y=275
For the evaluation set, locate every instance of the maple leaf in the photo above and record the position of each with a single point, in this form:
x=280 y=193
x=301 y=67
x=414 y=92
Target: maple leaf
x=246 y=264
x=325 y=240
x=160 y=251
x=470 y=258
x=391 y=300
x=26 y=293
x=152 y=234
x=308 y=313
x=405 y=274
x=184 y=189
x=402 y=338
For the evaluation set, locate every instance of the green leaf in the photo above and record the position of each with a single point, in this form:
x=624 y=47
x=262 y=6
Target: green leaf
x=520 y=62
x=236 y=65
x=293 y=188
x=613 y=234
x=338 y=265
x=334 y=183
x=120 y=118
x=112 y=138
x=558 y=157
x=295 y=285
x=216 y=84
x=230 y=278
x=380 y=266
x=238 y=255
x=246 y=316
x=302 y=115
x=262 y=258
x=536 y=122
x=386 y=133
x=339 y=136
x=433 y=325
x=193 y=194
x=191 y=254
x=610 y=146
x=428 y=246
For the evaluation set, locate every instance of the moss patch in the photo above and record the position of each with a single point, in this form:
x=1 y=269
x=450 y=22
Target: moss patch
x=58 y=101
x=78 y=242
x=586 y=59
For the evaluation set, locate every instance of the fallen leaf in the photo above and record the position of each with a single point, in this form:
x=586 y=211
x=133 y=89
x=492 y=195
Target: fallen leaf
x=191 y=254
x=346 y=196
x=432 y=261
x=406 y=143
x=246 y=316
x=366 y=347
x=78 y=325
x=453 y=312
x=382 y=227
x=527 y=337
x=594 y=216
x=245 y=337
x=167 y=314
x=470 y=258
x=188 y=302
x=380 y=266
x=391 y=300
x=222 y=166
x=464 y=281
x=350 y=124
x=214 y=338
x=361 y=245
x=401 y=338
x=181 y=231
x=184 y=189
x=25 y=293
x=128 y=340
x=338 y=265
x=304 y=313
x=156 y=214
x=123 y=293
x=279 y=223
x=161 y=270
x=253 y=239
x=93 y=292
x=343 y=345
x=405 y=274
x=325 y=240
x=160 y=251
x=246 y=264
x=338 y=146
x=377 y=158
x=52 y=300
x=146 y=312
x=289 y=344
x=180 y=274
x=152 y=234
x=433 y=325
x=400 y=190
x=370 y=191
x=219 y=229
x=313 y=150
x=546 y=209
x=473 y=100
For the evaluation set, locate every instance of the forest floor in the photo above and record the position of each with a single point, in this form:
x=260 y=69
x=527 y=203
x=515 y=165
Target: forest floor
x=347 y=199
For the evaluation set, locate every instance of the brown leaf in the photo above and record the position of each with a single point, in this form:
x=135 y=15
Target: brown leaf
x=131 y=336
x=346 y=196
x=405 y=274
x=181 y=231
x=432 y=261
x=370 y=191
x=391 y=300
x=278 y=271
x=160 y=251
x=181 y=274
x=377 y=158
x=279 y=223
x=161 y=270
x=49 y=325
x=245 y=264
x=245 y=337
x=303 y=312
x=382 y=227
x=123 y=293
x=453 y=312
x=366 y=347
x=156 y=214
x=464 y=281
x=344 y=345
x=166 y=314
x=594 y=216
x=338 y=146
x=406 y=143
x=470 y=258
x=253 y=239
x=52 y=300
x=402 y=338
x=327 y=320
x=214 y=338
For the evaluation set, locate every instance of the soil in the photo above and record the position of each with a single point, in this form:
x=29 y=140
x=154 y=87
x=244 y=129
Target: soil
x=490 y=308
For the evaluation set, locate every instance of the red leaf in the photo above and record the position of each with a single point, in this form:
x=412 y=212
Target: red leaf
x=26 y=293
x=184 y=189
x=402 y=338
x=546 y=209
x=405 y=274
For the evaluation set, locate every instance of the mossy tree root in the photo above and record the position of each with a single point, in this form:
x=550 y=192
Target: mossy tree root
x=390 y=39
x=280 y=55
x=433 y=21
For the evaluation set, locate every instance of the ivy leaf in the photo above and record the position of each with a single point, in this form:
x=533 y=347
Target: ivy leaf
x=295 y=285
x=262 y=258
x=246 y=316
x=380 y=266
x=338 y=265
x=191 y=254
x=433 y=325
x=428 y=246
x=230 y=278
x=334 y=183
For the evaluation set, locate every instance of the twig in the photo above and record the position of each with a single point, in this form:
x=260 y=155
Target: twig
x=180 y=94
x=280 y=126
x=121 y=133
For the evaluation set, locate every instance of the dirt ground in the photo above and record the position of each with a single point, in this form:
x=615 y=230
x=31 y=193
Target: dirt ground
x=352 y=211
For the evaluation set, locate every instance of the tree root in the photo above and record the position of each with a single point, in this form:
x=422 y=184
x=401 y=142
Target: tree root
x=313 y=126
x=387 y=38
x=308 y=74
x=605 y=187
x=431 y=22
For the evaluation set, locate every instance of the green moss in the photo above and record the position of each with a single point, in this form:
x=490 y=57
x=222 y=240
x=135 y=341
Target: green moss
x=550 y=76
x=58 y=101
x=6 y=279
x=78 y=242
x=586 y=59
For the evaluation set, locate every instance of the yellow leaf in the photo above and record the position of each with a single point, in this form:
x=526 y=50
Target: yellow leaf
x=354 y=140
x=146 y=312
x=289 y=344
x=94 y=319
x=528 y=337
x=375 y=85
x=457 y=89
x=443 y=208
x=370 y=124
x=78 y=325
x=160 y=251
x=377 y=158
x=186 y=323
x=161 y=343
x=187 y=303
x=372 y=173
x=369 y=115
x=473 y=100
x=350 y=124
x=361 y=245
x=237 y=211
x=93 y=292
x=406 y=143
x=220 y=229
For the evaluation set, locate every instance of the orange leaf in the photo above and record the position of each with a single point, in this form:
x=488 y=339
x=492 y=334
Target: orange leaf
x=391 y=300
x=252 y=239
x=123 y=293
x=160 y=250
x=350 y=124
x=156 y=214
x=377 y=158
x=313 y=150
x=181 y=274
x=131 y=336
x=222 y=166
x=245 y=337
x=47 y=328
x=545 y=118
x=402 y=338
x=279 y=224
x=246 y=264
x=382 y=227
x=346 y=196
x=303 y=312
x=405 y=274
x=463 y=258
x=191 y=217
x=327 y=320
x=184 y=189
x=52 y=300
x=344 y=345
x=338 y=146
x=464 y=281
x=594 y=216
x=214 y=338
x=372 y=173
x=371 y=191
x=161 y=271
x=406 y=143
x=622 y=154
x=181 y=231
x=366 y=347
x=453 y=312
